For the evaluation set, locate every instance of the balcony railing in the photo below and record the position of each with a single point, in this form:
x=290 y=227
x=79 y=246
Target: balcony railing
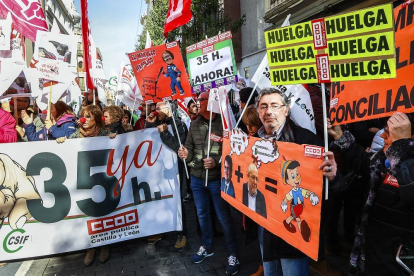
x=271 y=5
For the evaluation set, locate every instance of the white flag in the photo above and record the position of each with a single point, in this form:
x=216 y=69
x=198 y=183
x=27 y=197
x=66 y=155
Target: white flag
x=301 y=110
x=112 y=81
x=148 y=42
x=216 y=95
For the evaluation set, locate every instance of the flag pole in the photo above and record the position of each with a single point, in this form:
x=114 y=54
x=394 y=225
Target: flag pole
x=221 y=111
x=179 y=140
x=325 y=133
x=133 y=108
x=209 y=139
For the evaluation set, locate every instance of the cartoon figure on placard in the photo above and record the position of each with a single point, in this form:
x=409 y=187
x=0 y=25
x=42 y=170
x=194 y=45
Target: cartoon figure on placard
x=172 y=72
x=296 y=196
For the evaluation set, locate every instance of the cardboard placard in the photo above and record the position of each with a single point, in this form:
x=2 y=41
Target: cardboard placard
x=211 y=63
x=352 y=46
x=160 y=79
x=364 y=100
x=263 y=174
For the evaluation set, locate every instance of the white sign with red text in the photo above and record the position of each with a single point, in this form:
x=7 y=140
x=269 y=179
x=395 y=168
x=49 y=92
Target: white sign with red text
x=85 y=193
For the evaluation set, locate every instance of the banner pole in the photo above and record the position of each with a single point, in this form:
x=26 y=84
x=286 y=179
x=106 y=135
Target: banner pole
x=133 y=108
x=245 y=107
x=146 y=112
x=325 y=133
x=179 y=140
x=50 y=100
x=208 y=142
x=16 y=113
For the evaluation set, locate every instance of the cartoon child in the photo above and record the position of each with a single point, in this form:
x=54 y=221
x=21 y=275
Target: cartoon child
x=291 y=176
x=172 y=72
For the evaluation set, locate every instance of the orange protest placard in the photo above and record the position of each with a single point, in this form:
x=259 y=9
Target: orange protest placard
x=277 y=184
x=364 y=100
x=160 y=73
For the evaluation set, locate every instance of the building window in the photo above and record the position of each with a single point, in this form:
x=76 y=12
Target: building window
x=246 y=72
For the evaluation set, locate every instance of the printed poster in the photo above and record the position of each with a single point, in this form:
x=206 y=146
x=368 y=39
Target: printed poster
x=160 y=73
x=277 y=184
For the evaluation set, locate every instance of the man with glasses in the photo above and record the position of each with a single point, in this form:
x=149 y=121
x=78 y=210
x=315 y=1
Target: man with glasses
x=252 y=197
x=280 y=258
x=161 y=121
x=195 y=154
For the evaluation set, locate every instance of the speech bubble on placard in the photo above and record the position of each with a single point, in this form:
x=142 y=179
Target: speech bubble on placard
x=265 y=151
x=238 y=141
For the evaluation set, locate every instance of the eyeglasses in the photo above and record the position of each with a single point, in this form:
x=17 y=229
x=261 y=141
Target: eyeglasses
x=254 y=178
x=273 y=107
x=226 y=167
x=167 y=57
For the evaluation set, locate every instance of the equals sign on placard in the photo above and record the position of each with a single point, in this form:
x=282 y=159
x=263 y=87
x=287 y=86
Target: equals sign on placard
x=269 y=187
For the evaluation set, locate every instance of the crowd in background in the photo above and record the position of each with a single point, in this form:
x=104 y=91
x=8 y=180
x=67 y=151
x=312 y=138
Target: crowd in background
x=377 y=216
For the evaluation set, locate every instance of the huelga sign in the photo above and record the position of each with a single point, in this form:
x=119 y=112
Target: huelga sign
x=276 y=184
x=85 y=193
x=160 y=73
x=364 y=100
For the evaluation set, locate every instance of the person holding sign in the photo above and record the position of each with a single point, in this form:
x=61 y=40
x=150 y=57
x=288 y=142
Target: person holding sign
x=194 y=152
x=273 y=107
x=388 y=215
x=172 y=72
x=164 y=118
x=92 y=125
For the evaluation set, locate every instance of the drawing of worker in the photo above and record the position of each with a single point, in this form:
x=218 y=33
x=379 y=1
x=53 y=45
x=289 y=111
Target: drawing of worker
x=63 y=51
x=16 y=188
x=226 y=183
x=252 y=197
x=296 y=196
x=172 y=72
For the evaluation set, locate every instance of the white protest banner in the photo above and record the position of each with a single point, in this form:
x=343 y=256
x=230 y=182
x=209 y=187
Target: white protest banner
x=5 y=32
x=211 y=63
x=85 y=193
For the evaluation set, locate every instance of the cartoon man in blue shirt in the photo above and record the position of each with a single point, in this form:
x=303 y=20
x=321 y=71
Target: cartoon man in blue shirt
x=296 y=196
x=172 y=72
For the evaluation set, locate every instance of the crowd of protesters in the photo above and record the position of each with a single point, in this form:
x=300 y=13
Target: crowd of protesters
x=378 y=215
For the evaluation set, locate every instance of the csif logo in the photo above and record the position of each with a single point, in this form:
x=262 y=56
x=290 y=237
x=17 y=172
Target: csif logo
x=15 y=240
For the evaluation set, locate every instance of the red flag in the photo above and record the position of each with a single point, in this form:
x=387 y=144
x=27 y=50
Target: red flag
x=179 y=13
x=86 y=42
x=27 y=16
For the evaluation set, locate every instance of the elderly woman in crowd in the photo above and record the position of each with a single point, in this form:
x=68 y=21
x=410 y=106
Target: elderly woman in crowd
x=92 y=125
x=388 y=216
x=62 y=123
x=113 y=119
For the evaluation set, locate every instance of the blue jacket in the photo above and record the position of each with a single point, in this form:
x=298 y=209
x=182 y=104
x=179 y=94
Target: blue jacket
x=65 y=126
